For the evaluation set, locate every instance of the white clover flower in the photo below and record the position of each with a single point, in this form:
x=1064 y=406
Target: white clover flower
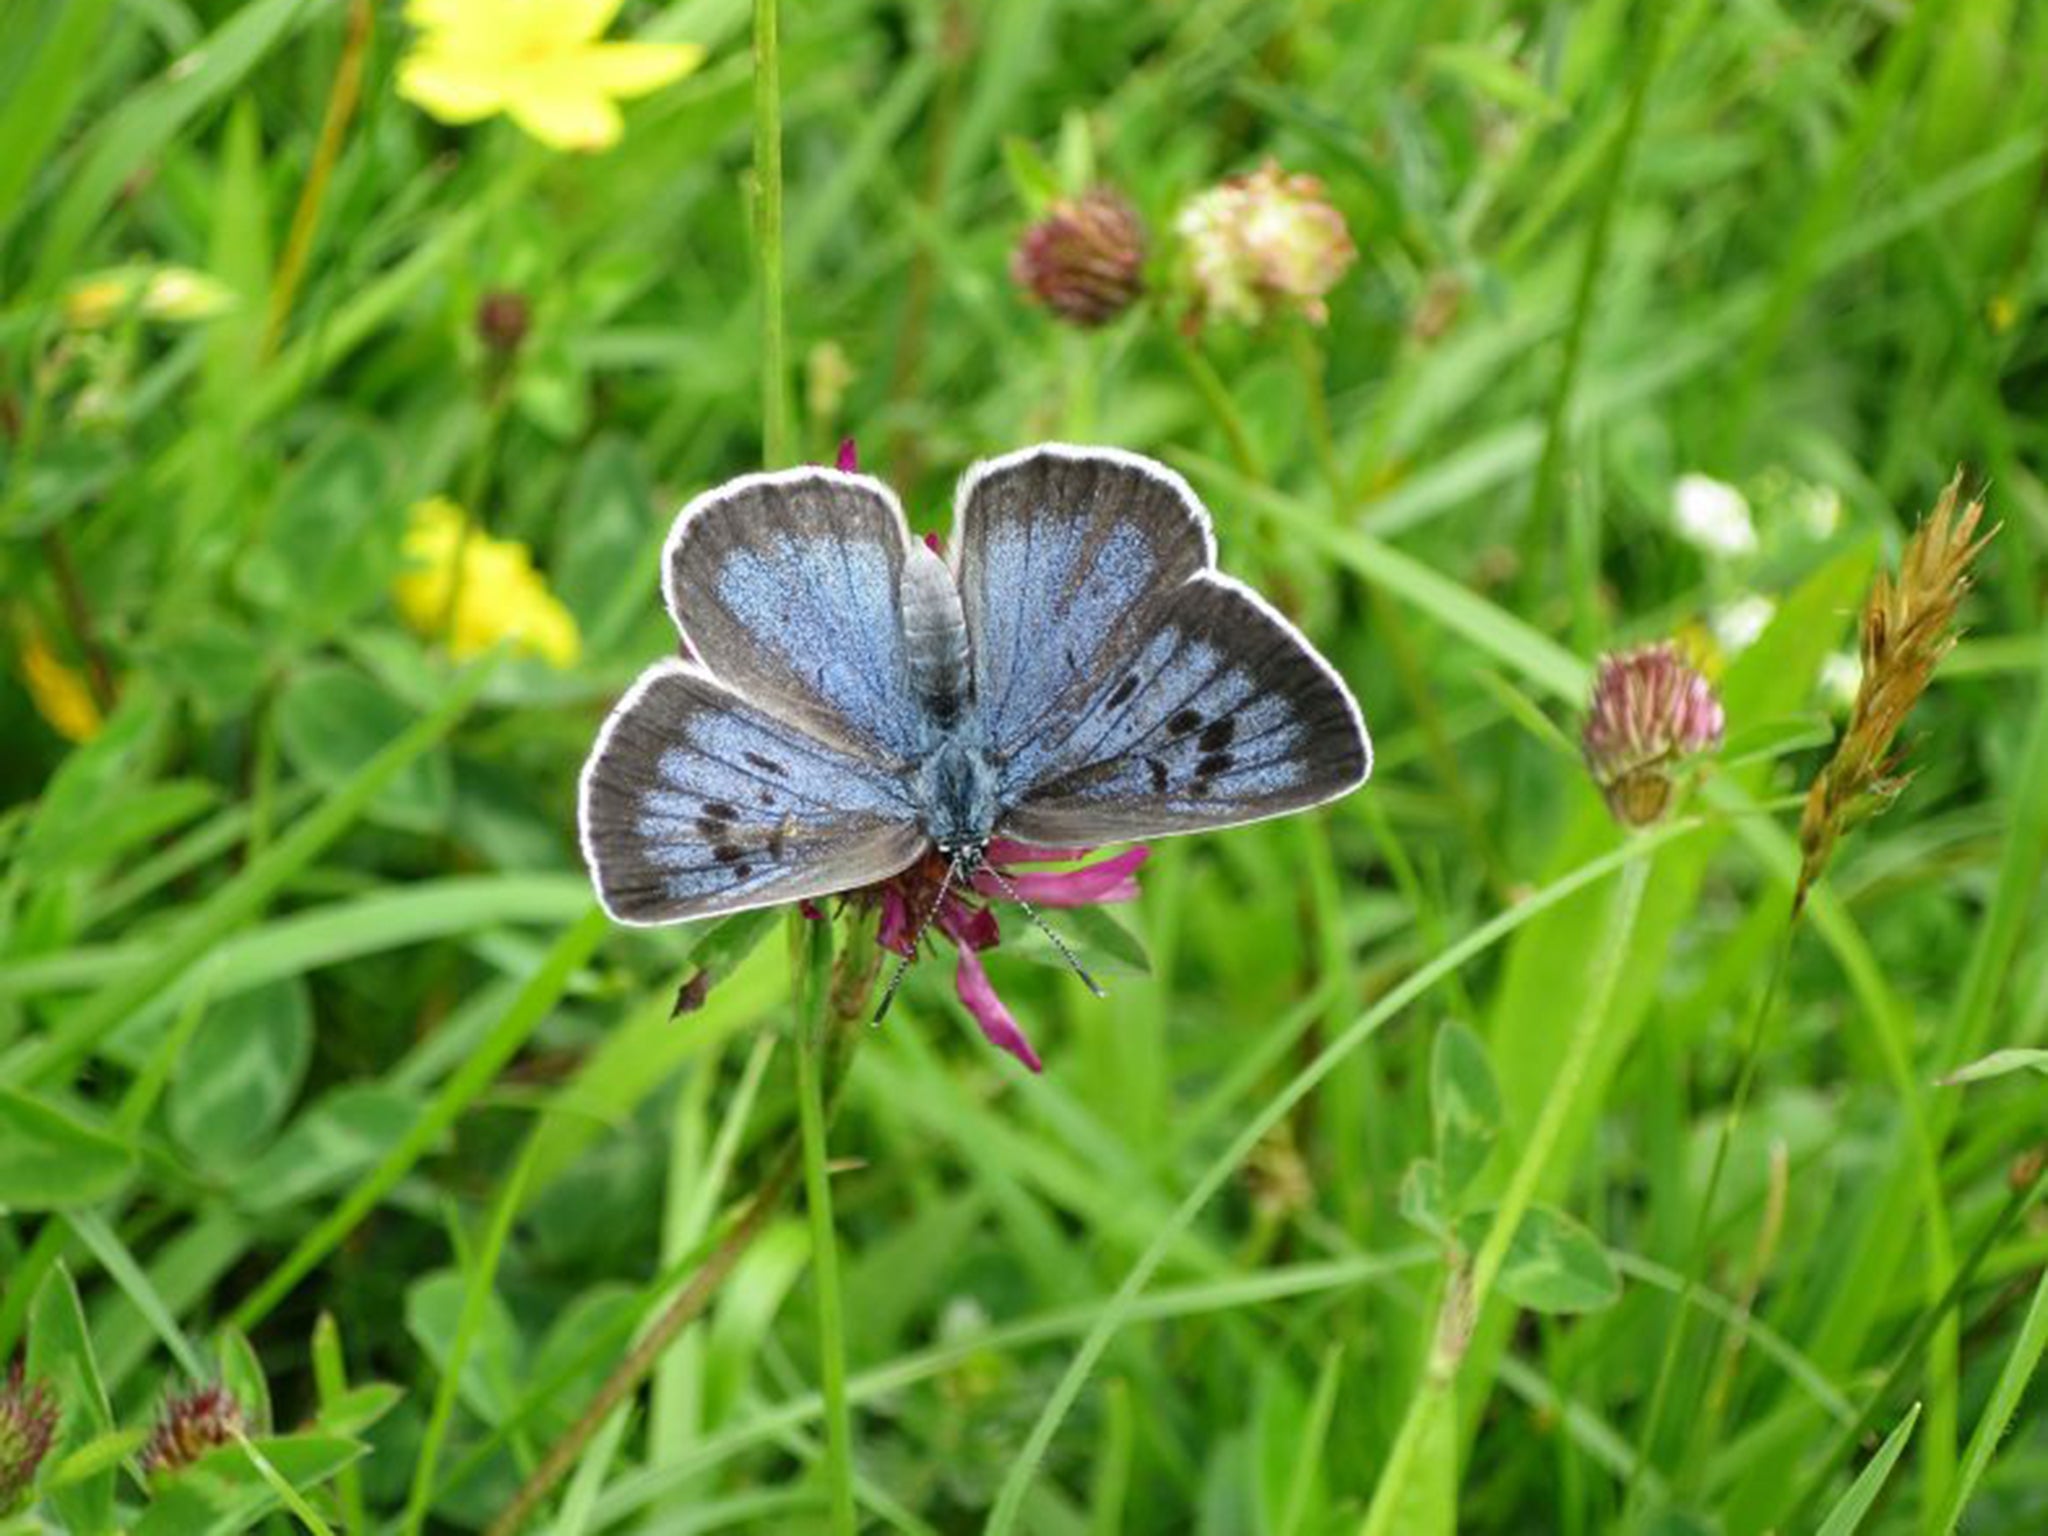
x=1736 y=625
x=1819 y=508
x=962 y=1318
x=1713 y=516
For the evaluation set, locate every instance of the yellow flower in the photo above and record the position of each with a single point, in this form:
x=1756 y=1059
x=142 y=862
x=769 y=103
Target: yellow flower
x=177 y=295
x=539 y=60
x=59 y=694
x=498 y=595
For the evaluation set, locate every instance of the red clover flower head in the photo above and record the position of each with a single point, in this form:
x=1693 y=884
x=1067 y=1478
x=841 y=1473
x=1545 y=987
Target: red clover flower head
x=1651 y=710
x=28 y=1427
x=503 y=317
x=1084 y=260
x=964 y=915
x=1260 y=245
x=191 y=1424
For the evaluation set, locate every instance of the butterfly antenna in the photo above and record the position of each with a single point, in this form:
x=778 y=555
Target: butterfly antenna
x=1045 y=928
x=917 y=938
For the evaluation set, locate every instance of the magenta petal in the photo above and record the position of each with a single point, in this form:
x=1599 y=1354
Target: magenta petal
x=894 y=932
x=1003 y=852
x=969 y=927
x=1109 y=881
x=849 y=457
x=988 y=1010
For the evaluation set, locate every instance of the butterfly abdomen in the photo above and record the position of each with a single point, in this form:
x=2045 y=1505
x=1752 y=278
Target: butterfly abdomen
x=934 y=637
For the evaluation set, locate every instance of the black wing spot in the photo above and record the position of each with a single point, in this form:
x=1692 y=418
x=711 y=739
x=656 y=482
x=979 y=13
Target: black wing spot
x=742 y=870
x=766 y=798
x=1217 y=734
x=1158 y=775
x=718 y=810
x=1183 y=721
x=1123 y=691
x=726 y=853
x=1213 y=764
x=765 y=764
x=712 y=827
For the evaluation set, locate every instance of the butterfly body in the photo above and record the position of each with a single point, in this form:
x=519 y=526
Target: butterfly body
x=1076 y=672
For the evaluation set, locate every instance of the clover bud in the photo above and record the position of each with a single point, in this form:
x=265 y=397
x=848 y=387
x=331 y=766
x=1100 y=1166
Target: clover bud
x=503 y=317
x=1084 y=260
x=191 y=1424
x=1651 y=711
x=28 y=1427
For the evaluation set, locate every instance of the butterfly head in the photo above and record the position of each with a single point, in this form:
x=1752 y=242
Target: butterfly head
x=964 y=856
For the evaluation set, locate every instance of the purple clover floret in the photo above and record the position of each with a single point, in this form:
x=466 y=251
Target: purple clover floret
x=965 y=917
x=28 y=1428
x=1085 y=259
x=1651 y=711
x=191 y=1424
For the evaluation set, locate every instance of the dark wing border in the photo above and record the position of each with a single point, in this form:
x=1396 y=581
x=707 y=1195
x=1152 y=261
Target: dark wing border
x=586 y=781
x=1199 y=517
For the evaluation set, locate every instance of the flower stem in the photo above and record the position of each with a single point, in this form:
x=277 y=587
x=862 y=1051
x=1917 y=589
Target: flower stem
x=847 y=1004
x=768 y=231
x=627 y=1375
x=1216 y=396
x=1466 y=1295
x=342 y=96
x=476 y=484
x=99 y=672
x=811 y=965
x=1696 y=1262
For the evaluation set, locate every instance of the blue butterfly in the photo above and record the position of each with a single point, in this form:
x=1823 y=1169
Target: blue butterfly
x=1078 y=673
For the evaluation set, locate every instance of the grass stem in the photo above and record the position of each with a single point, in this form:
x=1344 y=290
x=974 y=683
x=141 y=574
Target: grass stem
x=1538 y=532
x=768 y=232
x=1696 y=1261
x=342 y=96
x=811 y=956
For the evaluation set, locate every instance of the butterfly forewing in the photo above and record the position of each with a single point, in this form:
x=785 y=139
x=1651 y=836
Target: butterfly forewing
x=788 y=588
x=1062 y=555
x=695 y=802
x=1138 y=693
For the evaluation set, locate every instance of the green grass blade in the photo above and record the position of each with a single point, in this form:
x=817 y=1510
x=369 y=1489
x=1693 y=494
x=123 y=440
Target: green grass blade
x=1999 y=1408
x=242 y=897
x=1010 y=1497
x=478 y=1070
x=1847 y=1515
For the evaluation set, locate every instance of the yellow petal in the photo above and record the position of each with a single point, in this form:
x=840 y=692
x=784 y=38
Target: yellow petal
x=566 y=117
x=450 y=88
x=429 y=14
x=581 y=20
x=59 y=694
x=634 y=69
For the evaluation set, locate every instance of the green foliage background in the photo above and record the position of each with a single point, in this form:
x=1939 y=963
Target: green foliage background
x=317 y=1071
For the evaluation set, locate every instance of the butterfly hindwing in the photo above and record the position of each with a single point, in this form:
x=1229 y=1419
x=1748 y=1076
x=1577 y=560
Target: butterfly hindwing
x=788 y=588
x=1144 y=694
x=695 y=802
x=1062 y=555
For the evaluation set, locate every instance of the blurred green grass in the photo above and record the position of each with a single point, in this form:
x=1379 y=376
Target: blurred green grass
x=294 y=953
